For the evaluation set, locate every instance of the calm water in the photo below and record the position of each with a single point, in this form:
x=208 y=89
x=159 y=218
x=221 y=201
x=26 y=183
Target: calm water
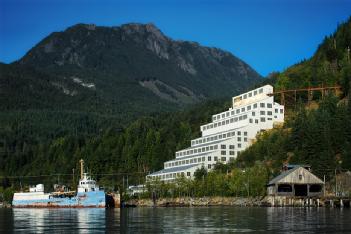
x=176 y=220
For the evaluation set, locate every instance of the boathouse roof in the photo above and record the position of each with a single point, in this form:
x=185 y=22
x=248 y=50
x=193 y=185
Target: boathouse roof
x=296 y=175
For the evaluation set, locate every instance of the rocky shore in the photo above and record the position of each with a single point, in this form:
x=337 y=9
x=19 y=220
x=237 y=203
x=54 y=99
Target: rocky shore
x=201 y=201
x=240 y=201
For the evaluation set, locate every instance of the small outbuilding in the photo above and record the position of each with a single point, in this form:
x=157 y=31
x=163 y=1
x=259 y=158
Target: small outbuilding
x=296 y=181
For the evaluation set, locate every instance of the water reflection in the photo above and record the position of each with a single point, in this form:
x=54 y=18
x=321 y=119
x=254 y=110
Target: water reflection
x=176 y=220
x=44 y=220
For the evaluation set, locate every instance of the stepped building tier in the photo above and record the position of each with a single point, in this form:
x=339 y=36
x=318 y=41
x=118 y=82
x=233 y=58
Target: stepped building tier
x=227 y=135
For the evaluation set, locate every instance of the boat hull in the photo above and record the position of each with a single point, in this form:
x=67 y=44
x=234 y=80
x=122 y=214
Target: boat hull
x=92 y=199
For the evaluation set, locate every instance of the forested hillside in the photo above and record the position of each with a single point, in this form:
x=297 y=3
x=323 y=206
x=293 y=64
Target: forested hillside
x=330 y=65
x=136 y=150
x=320 y=137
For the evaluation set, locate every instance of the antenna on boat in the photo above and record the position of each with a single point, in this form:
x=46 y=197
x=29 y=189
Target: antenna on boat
x=81 y=168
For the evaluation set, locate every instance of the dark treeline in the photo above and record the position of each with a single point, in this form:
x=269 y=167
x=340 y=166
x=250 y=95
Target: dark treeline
x=137 y=149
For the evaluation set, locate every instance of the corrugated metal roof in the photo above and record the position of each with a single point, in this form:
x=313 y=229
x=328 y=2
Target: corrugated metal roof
x=174 y=169
x=282 y=175
x=290 y=176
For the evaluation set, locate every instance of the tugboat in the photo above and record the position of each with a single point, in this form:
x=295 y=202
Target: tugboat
x=88 y=195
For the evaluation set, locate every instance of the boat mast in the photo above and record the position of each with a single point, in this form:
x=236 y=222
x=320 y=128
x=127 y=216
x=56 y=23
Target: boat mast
x=81 y=168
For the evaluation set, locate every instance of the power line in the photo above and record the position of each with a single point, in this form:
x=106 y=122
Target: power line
x=54 y=175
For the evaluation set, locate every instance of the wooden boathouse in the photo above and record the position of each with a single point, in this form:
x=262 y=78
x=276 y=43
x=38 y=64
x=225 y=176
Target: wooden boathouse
x=296 y=181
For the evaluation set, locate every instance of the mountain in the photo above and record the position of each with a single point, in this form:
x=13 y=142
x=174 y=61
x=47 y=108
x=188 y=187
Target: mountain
x=132 y=69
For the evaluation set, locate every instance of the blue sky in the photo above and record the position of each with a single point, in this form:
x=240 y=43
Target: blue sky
x=270 y=35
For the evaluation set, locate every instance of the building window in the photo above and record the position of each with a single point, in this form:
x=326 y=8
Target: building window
x=233 y=133
x=207 y=148
x=223 y=152
x=275 y=110
x=227 y=121
x=250 y=94
x=227 y=114
x=262 y=119
x=237 y=111
x=224 y=135
x=203 y=159
x=269 y=105
x=248 y=108
x=223 y=122
x=256 y=121
x=245 y=133
x=215 y=147
x=211 y=147
x=232 y=113
x=223 y=146
x=209 y=158
x=223 y=115
x=242 y=109
x=209 y=166
x=255 y=92
x=255 y=106
x=239 y=133
x=262 y=105
x=231 y=152
x=269 y=113
x=187 y=161
x=188 y=173
x=260 y=90
x=245 y=139
x=239 y=145
x=214 y=117
x=231 y=159
x=262 y=113
x=269 y=118
x=239 y=138
x=253 y=113
x=215 y=159
x=228 y=134
x=223 y=159
x=231 y=146
x=245 y=96
x=281 y=111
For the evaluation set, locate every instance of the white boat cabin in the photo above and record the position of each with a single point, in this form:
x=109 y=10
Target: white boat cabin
x=86 y=184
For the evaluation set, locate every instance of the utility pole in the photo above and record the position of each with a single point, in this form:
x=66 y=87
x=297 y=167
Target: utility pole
x=324 y=185
x=127 y=182
x=335 y=184
x=81 y=168
x=73 y=179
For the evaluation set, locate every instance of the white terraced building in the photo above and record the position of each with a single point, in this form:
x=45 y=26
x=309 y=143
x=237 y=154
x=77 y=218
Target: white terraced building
x=227 y=135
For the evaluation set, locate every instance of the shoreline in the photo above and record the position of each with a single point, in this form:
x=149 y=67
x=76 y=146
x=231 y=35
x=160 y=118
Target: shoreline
x=267 y=201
